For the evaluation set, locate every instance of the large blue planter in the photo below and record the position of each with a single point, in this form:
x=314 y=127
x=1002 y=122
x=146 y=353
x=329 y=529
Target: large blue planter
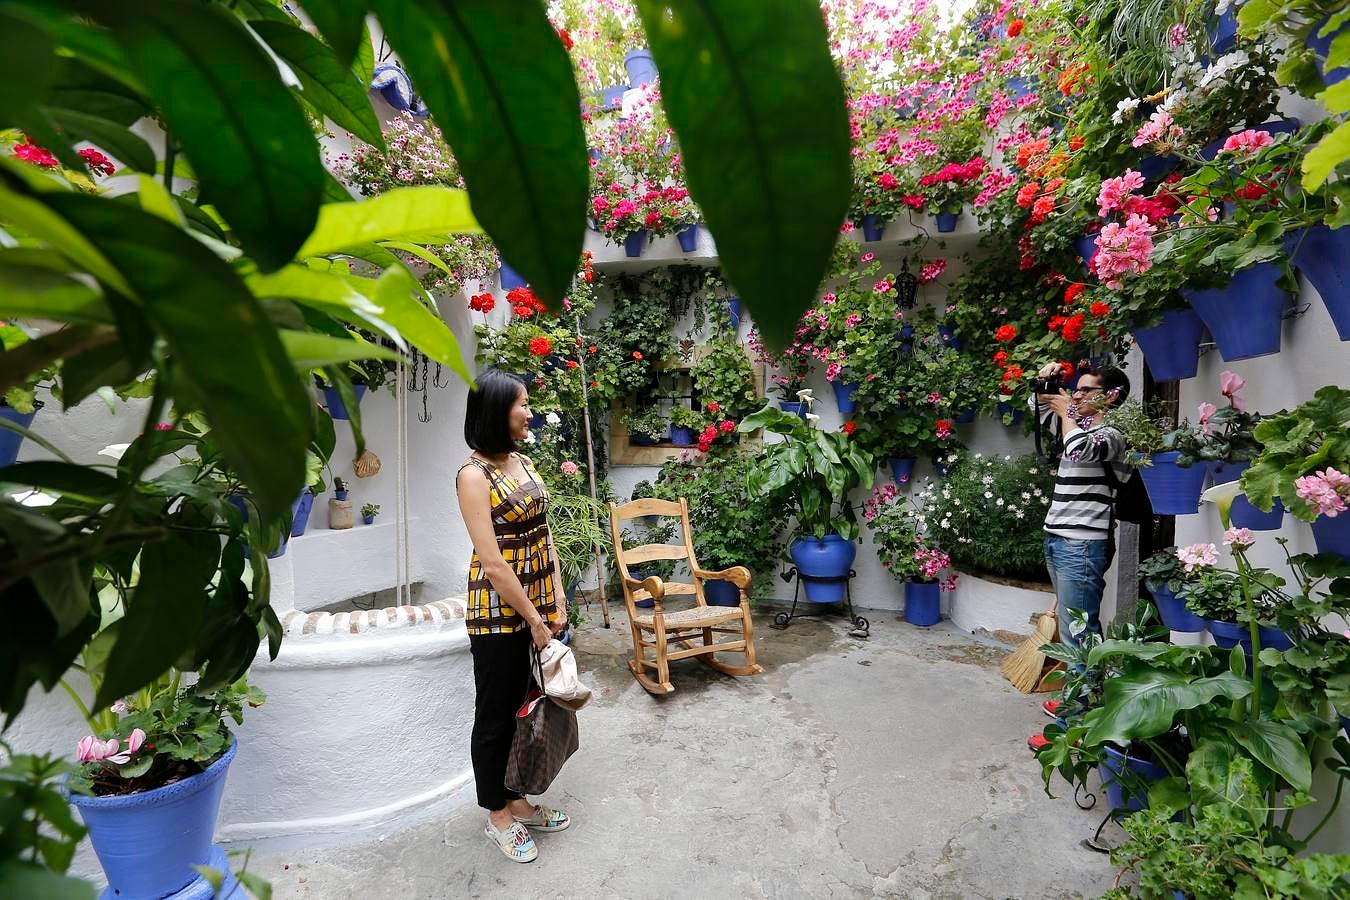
x=633 y=244
x=795 y=407
x=148 y=843
x=1154 y=167
x=923 y=603
x=1086 y=247
x=333 y=400
x=1173 y=610
x=643 y=439
x=1172 y=490
x=1116 y=782
x=510 y=279
x=873 y=227
x=1322 y=258
x=10 y=441
x=843 y=394
x=902 y=469
x=1332 y=535
x=640 y=66
x=1223 y=32
x=946 y=221
x=828 y=557
x=682 y=437
x=1244 y=317
x=300 y=512
x=721 y=593
x=1172 y=347
x=1320 y=47
x=1228 y=635
x=688 y=238
x=949 y=336
x=734 y=313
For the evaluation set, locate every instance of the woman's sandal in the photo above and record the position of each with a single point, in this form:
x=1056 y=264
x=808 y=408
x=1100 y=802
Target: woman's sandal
x=545 y=819
x=514 y=841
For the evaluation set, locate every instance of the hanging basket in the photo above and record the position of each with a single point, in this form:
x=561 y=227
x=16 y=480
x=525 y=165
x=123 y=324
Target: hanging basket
x=1245 y=317
x=1323 y=257
x=1172 y=490
x=1172 y=347
x=946 y=221
x=1332 y=535
x=873 y=227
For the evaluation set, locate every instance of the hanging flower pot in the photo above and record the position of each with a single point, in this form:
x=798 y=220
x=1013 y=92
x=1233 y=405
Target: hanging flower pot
x=632 y=245
x=10 y=441
x=1242 y=514
x=734 y=313
x=1321 y=47
x=1332 y=535
x=1086 y=247
x=1223 y=32
x=965 y=416
x=1020 y=86
x=946 y=221
x=333 y=400
x=148 y=842
x=1172 y=490
x=828 y=557
x=688 y=237
x=1173 y=610
x=300 y=513
x=949 y=336
x=906 y=338
x=923 y=603
x=1245 y=317
x=681 y=437
x=640 y=66
x=1154 y=167
x=721 y=593
x=1228 y=635
x=795 y=407
x=873 y=227
x=1272 y=128
x=509 y=278
x=240 y=503
x=902 y=469
x=843 y=395
x=1322 y=258
x=1172 y=347
x=1116 y=782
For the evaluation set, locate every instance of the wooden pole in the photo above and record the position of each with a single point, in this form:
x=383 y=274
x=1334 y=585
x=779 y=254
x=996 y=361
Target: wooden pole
x=590 y=469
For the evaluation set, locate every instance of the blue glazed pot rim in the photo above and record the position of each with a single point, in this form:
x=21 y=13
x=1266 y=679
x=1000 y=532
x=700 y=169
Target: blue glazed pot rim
x=190 y=785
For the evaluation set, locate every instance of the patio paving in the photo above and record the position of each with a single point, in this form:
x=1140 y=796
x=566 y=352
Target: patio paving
x=888 y=767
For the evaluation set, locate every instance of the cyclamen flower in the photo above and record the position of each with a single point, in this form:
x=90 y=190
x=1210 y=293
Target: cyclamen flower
x=1196 y=555
x=1229 y=385
x=91 y=749
x=1205 y=412
x=1239 y=538
x=1115 y=190
x=1248 y=141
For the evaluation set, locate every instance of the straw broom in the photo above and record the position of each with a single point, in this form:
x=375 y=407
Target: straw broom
x=1025 y=665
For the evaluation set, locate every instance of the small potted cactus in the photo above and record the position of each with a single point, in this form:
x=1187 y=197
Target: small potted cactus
x=368 y=513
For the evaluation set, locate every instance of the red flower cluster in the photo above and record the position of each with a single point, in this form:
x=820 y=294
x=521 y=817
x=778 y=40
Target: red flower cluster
x=1072 y=291
x=1099 y=309
x=38 y=156
x=708 y=436
x=97 y=162
x=714 y=406
x=1005 y=333
x=1001 y=358
x=541 y=346
x=587 y=272
x=887 y=181
x=1073 y=328
x=524 y=303
x=961 y=173
x=913 y=201
x=1015 y=27
x=1076 y=143
x=565 y=38
x=848 y=428
x=943 y=429
x=483 y=303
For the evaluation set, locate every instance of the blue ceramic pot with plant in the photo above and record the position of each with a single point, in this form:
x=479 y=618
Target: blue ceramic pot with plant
x=1324 y=259
x=1172 y=489
x=633 y=244
x=923 y=603
x=1332 y=535
x=300 y=513
x=10 y=441
x=333 y=400
x=1116 y=782
x=830 y=557
x=946 y=221
x=640 y=66
x=721 y=593
x=796 y=407
x=681 y=437
x=1173 y=610
x=1172 y=347
x=510 y=279
x=873 y=227
x=902 y=469
x=688 y=237
x=843 y=395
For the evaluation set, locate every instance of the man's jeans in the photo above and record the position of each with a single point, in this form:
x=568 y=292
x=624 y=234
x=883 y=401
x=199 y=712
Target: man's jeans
x=1078 y=573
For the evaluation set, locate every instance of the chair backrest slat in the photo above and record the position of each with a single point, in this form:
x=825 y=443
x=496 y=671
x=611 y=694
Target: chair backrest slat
x=635 y=556
x=647 y=506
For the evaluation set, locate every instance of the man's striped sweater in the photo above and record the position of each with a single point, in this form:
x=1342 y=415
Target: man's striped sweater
x=1080 y=507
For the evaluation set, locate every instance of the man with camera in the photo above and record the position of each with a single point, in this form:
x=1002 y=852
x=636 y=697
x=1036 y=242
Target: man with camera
x=1079 y=539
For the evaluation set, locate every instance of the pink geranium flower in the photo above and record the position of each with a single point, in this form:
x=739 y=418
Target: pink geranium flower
x=569 y=468
x=1124 y=250
x=1115 y=190
x=1239 y=538
x=1326 y=490
x=1159 y=129
x=1196 y=555
x=1206 y=411
x=1248 y=141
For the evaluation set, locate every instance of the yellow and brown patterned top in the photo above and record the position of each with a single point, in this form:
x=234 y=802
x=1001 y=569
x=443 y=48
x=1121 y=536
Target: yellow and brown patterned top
x=520 y=519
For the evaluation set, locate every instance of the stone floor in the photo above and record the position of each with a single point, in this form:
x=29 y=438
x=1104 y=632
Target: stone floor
x=888 y=767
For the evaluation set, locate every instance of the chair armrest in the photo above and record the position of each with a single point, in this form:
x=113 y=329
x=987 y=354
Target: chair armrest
x=737 y=575
x=652 y=585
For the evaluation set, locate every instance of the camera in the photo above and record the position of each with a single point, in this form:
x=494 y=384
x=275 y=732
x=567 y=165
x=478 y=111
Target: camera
x=1052 y=385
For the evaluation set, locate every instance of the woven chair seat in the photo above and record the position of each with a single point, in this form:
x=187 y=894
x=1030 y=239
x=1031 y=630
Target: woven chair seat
x=695 y=617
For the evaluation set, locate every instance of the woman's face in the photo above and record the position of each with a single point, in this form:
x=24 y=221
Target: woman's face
x=518 y=420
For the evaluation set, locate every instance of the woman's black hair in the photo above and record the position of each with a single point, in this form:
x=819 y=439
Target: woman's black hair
x=1112 y=379
x=487 y=415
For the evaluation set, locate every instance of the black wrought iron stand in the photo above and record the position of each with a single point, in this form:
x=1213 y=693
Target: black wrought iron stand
x=861 y=627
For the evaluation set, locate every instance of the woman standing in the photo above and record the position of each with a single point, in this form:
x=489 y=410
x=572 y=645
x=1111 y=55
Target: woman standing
x=515 y=597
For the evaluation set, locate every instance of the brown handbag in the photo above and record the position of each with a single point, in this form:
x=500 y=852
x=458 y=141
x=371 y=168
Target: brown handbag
x=546 y=735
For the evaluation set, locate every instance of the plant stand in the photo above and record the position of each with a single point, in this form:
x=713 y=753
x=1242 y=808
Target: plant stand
x=861 y=627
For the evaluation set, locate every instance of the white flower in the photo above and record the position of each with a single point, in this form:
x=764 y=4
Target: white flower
x=529 y=437
x=1007 y=457
x=812 y=418
x=999 y=502
x=989 y=495
x=1026 y=495
x=553 y=419
x=1125 y=110
x=979 y=456
x=1019 y=514
x=806 y=395
x=945 y=523
x=114 y=450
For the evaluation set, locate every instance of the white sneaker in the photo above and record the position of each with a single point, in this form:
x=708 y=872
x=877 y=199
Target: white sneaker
x=545 y=819
x=515 y=842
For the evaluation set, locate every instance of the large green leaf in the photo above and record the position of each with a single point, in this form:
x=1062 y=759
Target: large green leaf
x=759 y=109
x=411 y=213
x=130 y=149
x=500 y=85
x=346 y=298
x=18 y=364
x=220 y=338
x=343 y=25
x=221 y=97
x=329 y=86
x=1277 y=747
x=62 y=583
x=1330 y=152
x=29 y=292
x=1143 y=703
x=418 y=325
x=308 y=350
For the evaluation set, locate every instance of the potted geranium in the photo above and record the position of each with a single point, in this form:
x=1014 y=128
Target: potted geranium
x=910 y=556
x=947 y=190
x=1165 y=456
x=150 y=780
x=647 y=426
x=788 y=371
x=684 y=421
x=813 y=471
x=1164 y=575
x=1217 y=596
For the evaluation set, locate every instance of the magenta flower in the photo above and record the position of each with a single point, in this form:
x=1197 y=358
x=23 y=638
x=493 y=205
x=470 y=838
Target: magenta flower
x=1124 y=250
x=932 y=270
x=569 y=468
x=1159 y=129
x=1229 y=385
x=867 y=257
x=852 y=319
x=832 y=371
x=1248 y=141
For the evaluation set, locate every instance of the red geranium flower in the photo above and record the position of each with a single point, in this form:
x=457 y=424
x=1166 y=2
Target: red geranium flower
x=1072 y=291
x=565 y=38
x=541 y=346
x=572 y=364
x=97 y=162
x=1001 y=358
x=726 y=426
x=36 y=155
x=1005 y=333
x=1055 y=323
x=1073 y=328
x=1066 y=369
x=1076 y=143
x=1099 y=309
x=637 y=354
x=1015 y=27
x=848 y=428
x=714 y=406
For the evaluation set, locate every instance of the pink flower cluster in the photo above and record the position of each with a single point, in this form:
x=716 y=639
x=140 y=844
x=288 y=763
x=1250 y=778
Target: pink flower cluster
x=91 y=749
x=931 y=564
x=881 y=496
x=1159 y=129
x=1124 y=250
x=995 y=182
x=956 y=173
x=932 y=270
x=1328 y=490
x=1196 y=555
x=1239 y=538
x=1115 y=190
x=1248 y=141
x=569 y=468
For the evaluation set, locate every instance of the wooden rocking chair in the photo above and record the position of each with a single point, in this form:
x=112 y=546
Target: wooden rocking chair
x=659 y=629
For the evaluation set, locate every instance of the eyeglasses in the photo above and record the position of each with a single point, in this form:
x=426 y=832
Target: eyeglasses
x=1085 y=390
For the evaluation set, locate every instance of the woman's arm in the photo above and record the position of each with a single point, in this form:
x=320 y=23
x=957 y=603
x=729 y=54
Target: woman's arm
x=475 y=506
x=559 y=592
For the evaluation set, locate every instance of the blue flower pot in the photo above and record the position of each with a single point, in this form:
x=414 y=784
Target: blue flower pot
x=1322 y=256
x=640 y=66
x=965 y=416
x=795 y=407
x=923 y=603
x=333 y=400
x=1221 y=472
x=1223 y=32
x=1172 y=490
x=610 y=98
x=828 y=557
x=341 y=495
x=1173 y=610
x=1005 y=408
x=537 y=422
x=1243 y=515
x=906 y=338
x=946 y=221
x=682 y=437
x=721 y=593
x=1020 y=86
x=509 y=278
x=644 y=440
x=241 y=504
x=902 y=469
x=949 y=336
x=1086 y=247
x=1332 y=535
x=10 y=441
x=1228 y=635
x=368 y=520
x=1172 y=347
x=1321 y=46
x=734 y=313
x=843 y=395
x=688 y=238
x=873 y=227
x=1244 y=317
x=641 y=572
x=1154 y=167
x=148 y=843
x=300 y=512
x=633 y=244
x=1115 y=781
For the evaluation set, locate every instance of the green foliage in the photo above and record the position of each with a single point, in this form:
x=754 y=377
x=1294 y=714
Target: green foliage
x=686 y=417
x=38 y=832
x=574 y=521
x=631 y=341
x=1144 y=430
x=650 y=422
x=723 y=376
x=1312 y=437
x=370 y=509
x=1164 y=568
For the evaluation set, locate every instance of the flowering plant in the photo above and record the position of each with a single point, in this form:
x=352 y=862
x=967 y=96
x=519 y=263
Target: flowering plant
x=895 y=523
x=1304 y=455
x=723 y=377
x=1229 y=432
x=789 y=371
x=649 y=422
x=952 y=186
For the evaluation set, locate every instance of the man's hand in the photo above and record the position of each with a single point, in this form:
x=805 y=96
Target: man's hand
x=1049 y=370
x=1058 y=403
